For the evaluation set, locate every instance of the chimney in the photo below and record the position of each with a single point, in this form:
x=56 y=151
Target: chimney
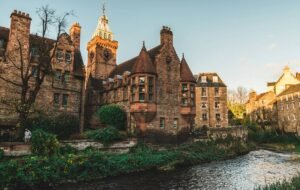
x=75 y=35
x=19 y=30
x=166 y=36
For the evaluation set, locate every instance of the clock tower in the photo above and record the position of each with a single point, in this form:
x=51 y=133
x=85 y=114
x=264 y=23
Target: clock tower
x=102 y=50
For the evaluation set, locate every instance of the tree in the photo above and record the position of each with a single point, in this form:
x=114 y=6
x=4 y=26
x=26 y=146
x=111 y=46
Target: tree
x=236 y=104
x=28 y=77
x=112 y=115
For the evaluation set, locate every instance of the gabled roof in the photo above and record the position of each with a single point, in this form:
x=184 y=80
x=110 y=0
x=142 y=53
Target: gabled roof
x=186 y=74
x=143 y=63
x=209 y=80
x=290 y=90
x=128 y=65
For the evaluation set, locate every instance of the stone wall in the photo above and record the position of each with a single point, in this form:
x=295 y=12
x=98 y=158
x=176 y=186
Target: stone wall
x=235 y=131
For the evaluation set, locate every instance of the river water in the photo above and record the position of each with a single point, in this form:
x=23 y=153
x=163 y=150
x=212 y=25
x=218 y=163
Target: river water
x=246 y=172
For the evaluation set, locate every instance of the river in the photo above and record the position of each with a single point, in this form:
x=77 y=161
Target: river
x=246 y=172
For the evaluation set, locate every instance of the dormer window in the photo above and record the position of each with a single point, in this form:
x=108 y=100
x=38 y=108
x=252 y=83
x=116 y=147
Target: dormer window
x=60 y=54
x=203 y=79
x=215 y=79
x=68 y=56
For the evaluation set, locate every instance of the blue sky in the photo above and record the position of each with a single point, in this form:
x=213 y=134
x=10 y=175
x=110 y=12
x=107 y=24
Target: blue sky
x=247 y=42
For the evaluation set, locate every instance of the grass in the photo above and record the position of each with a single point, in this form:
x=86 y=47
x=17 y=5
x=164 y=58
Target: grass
x=294 y=184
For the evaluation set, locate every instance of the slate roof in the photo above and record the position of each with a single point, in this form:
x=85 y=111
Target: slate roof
x=209 y=80
x=290 y=90
x=128 y=65
x=143 y=63
x=186 y=74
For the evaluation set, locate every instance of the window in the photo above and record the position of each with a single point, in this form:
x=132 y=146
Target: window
x=218 y=117
x=287 y=106
x=215 y=79
x=1 y=43
x=203 y=92
x=133 y=90
x=192 y=88
x=217 y=92
x=162 y=122
x=68 y=56
x=141 y=80
x=175 y=123
x=150 y=88
x=150 y=80
x=65 y=100
x=184 y=101
x=141 y=93
x=34 y=71
x=58 y=75
x=59 y=54
x=34 y=51
x=192 y=98
x=56 y=99
x=133 y=81
x=66 y=76
x=218 y=126
x=203 y=79
x=109 y=36
x=203 y=105
x=204 y=116
x=217 y=105
x=184 y=88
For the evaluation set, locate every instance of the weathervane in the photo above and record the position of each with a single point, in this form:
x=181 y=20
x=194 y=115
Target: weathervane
x=103 y=8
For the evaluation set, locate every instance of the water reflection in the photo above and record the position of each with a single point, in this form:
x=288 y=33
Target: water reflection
x=243 y=173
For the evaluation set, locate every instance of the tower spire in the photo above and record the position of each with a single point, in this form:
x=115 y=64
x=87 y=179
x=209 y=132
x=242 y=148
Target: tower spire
x=103 y=9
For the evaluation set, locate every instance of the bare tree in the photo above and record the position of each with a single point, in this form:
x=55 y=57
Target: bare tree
x=29 y=76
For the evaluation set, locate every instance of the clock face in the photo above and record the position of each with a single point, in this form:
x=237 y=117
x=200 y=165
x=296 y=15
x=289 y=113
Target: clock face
x=106 y=54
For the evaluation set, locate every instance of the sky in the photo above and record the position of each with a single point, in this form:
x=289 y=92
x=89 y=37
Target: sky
x=247 y=42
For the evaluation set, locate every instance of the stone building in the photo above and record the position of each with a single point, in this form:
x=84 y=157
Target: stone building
x=155 y=88
x=61 y=91
x=211 y=101
x=288 y=103
x=264 y=108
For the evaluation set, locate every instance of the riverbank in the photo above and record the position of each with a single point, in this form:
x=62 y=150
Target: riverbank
x=75 y=166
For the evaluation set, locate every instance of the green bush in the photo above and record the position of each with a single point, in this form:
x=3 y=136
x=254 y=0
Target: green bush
x=44 y=143
x=63 y=125
x=112 y=115
x=106 y=135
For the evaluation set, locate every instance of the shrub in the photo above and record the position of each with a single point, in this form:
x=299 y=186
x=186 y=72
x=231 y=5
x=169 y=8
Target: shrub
x=112 y=115
x=67 y=149
x=62 y=125
x=106 y=135
x=44 y=143
x=65 y=125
